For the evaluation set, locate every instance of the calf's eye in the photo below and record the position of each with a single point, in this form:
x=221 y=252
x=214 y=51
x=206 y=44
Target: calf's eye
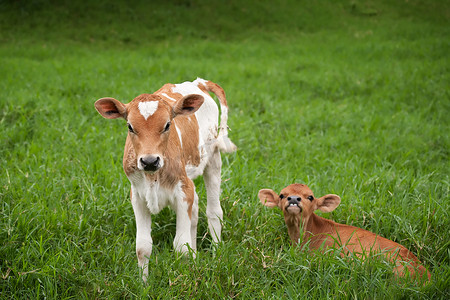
x=281 y=196
x=130 y=129
x=310 y=198
x=167 y=127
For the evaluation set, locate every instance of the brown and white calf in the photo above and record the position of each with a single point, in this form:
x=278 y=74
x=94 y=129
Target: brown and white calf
x=298 y=204
x=173 y=137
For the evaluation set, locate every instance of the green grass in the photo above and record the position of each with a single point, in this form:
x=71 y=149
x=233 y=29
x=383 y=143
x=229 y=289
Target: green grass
x=349 y=97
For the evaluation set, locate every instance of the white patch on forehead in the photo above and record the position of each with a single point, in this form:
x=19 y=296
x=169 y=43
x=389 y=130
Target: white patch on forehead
x=148 y=108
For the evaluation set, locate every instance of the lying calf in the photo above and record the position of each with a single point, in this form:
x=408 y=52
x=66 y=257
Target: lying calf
x=298 y=205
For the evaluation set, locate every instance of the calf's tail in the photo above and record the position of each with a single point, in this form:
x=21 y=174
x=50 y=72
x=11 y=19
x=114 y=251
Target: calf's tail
x=223 y=142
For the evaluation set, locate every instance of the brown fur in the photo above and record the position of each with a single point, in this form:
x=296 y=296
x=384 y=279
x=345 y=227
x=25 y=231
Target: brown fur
x=165 y=150
x=149 y=139
x=187 y=124
x=319 y=233
x=167 y=89
x=216 y=89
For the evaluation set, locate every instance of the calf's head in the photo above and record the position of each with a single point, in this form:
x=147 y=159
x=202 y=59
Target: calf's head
x=149 y=120
x=297 y=202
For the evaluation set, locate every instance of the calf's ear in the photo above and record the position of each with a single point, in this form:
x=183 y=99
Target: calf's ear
x=188 y=105
x=111 y=108
x=268 y=197
x=328 y=202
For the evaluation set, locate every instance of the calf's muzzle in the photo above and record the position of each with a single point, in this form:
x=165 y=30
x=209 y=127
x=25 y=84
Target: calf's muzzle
x=150 y=163
x=293 y=204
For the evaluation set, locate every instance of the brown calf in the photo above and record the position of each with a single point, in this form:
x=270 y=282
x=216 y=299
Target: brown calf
x=298 y=204
x=173 y=137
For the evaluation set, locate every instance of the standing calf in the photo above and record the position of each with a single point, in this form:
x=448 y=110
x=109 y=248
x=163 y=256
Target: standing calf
x=173 y=137
x=298 y=204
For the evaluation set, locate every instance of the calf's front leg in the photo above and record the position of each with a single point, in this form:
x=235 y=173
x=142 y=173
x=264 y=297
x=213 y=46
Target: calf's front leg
x=187 y=214
x=143 y=232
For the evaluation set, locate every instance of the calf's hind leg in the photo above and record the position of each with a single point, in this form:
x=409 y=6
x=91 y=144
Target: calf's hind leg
x=194 y=222
x=212 y=183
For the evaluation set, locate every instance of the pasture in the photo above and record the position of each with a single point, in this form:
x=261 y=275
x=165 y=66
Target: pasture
x=348 y=97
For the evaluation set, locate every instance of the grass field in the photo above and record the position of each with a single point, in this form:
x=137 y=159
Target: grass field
x=349 y=97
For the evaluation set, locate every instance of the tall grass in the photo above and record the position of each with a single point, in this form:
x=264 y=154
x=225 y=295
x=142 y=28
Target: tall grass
x=349 y=97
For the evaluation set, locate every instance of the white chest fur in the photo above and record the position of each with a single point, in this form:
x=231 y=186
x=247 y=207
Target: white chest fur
x=156 y=196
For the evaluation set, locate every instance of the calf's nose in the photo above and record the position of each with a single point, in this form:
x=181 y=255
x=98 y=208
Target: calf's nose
x=294 y=199
x=150 y=163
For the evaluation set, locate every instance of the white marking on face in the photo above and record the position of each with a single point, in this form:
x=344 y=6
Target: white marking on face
x=148 y=108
